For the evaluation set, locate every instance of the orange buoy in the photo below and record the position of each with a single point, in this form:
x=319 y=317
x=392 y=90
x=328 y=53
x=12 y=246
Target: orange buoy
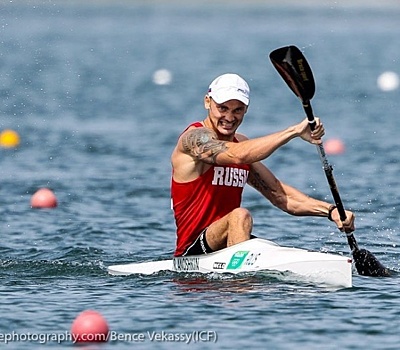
x=334 y=146
x=89 y=327
x=44 y=198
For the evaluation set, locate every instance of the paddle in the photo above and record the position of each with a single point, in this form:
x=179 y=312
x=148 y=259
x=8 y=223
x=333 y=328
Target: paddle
x=295 y=70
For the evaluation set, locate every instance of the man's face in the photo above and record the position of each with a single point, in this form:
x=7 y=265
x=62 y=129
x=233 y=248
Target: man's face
x=225 y=117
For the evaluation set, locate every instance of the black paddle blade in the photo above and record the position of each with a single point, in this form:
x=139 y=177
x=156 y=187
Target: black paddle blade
x=367 y=265
x=295 y=70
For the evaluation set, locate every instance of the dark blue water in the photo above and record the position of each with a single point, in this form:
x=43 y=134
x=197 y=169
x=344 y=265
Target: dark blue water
x=76 y=83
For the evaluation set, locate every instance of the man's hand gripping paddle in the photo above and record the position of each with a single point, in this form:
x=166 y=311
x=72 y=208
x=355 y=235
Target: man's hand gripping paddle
x=295 y=70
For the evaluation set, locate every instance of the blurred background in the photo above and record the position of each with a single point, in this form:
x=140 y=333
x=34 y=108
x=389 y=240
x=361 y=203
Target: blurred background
x=97 y=92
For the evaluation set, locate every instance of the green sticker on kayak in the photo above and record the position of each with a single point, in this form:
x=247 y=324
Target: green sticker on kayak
x=237 y=260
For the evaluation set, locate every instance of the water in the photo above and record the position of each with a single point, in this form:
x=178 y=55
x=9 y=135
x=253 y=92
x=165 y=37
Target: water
x=76 y=84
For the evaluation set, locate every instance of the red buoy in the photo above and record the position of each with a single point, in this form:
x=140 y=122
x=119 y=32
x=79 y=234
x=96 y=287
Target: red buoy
x=43 y=198
x=89 y=327
x=334 y=146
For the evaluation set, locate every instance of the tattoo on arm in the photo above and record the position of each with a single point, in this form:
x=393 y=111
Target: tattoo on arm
x=271 y=189
x=203 y=144
x=258 y=183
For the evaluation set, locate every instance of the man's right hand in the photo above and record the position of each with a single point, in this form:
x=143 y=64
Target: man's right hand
x=306 y=134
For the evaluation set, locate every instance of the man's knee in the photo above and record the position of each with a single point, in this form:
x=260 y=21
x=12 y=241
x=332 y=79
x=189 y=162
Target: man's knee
x=242 y=214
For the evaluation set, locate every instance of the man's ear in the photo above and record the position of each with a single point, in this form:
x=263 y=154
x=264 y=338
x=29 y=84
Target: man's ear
x=207 y=102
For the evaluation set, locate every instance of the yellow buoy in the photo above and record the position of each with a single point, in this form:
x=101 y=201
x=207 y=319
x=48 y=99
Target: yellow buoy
x=9 y=138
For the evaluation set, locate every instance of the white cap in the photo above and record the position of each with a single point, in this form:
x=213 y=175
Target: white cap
x=229 y=87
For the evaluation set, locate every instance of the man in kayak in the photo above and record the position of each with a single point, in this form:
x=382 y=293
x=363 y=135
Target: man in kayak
x=211 y=164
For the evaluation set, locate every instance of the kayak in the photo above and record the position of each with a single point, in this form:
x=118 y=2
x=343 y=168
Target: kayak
x=251 y=256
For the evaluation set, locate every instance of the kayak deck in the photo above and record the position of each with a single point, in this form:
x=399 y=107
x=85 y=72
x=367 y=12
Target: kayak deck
x=251 y=256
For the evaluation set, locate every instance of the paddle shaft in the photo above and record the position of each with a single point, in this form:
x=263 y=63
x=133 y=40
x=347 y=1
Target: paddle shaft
x=329 y=176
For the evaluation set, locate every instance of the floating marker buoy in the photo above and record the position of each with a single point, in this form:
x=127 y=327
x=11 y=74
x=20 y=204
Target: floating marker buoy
x=89 y=327
x=162 y=77
x=43 y=198
x=334 y=146
x=9 y=138
x=388 y=81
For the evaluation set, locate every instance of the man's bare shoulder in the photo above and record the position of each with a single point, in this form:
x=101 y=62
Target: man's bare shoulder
x=196 y=136
x=201 y=144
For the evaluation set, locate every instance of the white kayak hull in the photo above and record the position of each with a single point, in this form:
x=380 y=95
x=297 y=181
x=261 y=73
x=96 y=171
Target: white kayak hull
x=252 y=256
